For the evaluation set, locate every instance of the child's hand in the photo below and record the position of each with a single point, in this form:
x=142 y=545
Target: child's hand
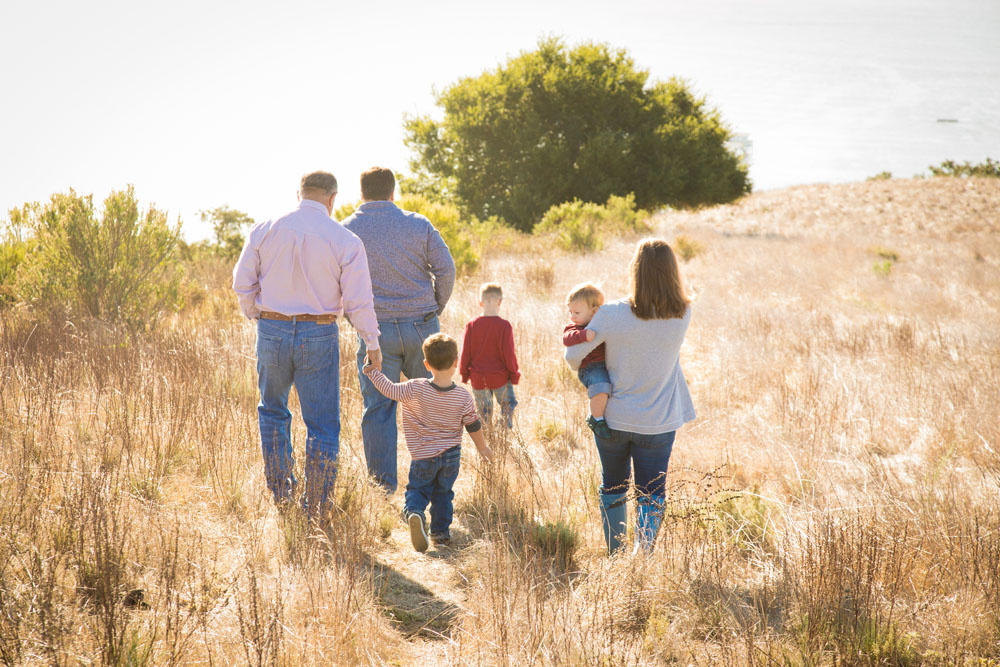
x=591 y=335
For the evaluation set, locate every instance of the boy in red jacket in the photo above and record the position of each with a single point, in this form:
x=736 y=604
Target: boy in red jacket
x=488 y=357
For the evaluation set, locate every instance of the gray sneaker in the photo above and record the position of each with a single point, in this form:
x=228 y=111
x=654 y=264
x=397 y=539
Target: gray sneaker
x=418 y=531
x=599 y=427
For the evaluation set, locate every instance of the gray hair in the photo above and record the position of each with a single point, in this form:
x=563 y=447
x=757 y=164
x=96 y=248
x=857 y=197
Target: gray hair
x=319 y=181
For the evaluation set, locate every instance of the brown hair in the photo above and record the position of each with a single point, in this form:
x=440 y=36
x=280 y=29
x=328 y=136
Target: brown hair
x=377 y=184
x=317 y=182
x=587 y=292
x=657 y=291
x=490 y=288
x=440 y=351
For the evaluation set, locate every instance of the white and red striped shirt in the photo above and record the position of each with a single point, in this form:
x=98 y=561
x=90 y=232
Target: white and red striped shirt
x=432 y=417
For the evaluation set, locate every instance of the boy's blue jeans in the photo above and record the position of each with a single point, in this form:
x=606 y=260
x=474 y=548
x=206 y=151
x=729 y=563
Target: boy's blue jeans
x=595 y=378
x=505 y=397
x=431 y=481
x=401 y=341
x=307 y=355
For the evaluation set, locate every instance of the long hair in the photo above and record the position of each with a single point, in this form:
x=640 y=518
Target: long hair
x=657 y=291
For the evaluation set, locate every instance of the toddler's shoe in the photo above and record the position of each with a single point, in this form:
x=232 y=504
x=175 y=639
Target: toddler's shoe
x=418 y=531
x=441 y=539
x=599 y=427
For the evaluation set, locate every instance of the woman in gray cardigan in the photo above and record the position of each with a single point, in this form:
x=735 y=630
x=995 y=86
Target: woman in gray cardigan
x=650 y=399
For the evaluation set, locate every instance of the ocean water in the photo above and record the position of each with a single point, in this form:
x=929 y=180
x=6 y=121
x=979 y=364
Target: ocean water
x=837 y=92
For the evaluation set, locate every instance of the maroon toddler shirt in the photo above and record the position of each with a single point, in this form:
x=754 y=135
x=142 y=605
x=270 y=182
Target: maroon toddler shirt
x=574 y=334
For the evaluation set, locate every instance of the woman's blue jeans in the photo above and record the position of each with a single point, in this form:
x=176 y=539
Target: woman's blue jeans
x=307 y=355
x=644 y=456
x=401 y=341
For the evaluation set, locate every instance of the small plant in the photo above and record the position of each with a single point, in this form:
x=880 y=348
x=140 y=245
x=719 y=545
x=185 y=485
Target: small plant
x=881 y=176
x=884 y=253
x=883 y=268
x=687 y=248
x=547 y=430
x=557 y=540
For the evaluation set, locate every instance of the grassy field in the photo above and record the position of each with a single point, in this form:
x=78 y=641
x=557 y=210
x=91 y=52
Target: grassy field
x=835 y=502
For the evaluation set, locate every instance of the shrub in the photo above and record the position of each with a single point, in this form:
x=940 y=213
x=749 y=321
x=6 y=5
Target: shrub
x=687 y=248
x=119 y=267
x=559 y=123
x=229 y=227
x=12 y=253
x=989 y=168
x=881 y=176
x=582 y=226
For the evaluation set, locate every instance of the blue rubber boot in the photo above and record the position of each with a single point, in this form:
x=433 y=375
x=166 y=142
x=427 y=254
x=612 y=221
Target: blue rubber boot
x=613 y=516
x=648 y=517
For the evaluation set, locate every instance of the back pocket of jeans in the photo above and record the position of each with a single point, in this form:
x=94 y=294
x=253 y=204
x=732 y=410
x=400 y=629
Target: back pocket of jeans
x=317 y=354
x=268 y=350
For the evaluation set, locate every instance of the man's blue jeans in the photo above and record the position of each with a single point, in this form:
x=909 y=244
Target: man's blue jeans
x=401 y=341
x=431 y=481
x=307 y=355
x=646 y=455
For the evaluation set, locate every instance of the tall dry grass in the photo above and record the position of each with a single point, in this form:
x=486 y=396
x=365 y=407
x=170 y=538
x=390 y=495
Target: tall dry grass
x=834 y=503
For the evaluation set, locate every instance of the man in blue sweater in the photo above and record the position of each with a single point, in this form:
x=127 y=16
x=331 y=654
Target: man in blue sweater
x=413 y=275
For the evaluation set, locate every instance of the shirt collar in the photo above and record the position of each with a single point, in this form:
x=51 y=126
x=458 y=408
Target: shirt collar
x=376 y=205
x=311 y=203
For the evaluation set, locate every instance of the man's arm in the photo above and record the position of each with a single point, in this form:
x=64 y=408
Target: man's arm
x=356 y=294
x=442 y=267
x=246 y=278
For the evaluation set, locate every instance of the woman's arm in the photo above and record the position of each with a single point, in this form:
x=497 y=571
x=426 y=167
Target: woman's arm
x=575 y=353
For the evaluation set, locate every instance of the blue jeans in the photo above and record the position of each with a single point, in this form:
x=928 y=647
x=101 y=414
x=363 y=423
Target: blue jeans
x=307 y=355
x=595 y=378
x=647 y=455
x=431 y=481
x=505 y=397
x=401 y=341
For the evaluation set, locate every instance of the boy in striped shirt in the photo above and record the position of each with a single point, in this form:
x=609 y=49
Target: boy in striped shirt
x=433 y=413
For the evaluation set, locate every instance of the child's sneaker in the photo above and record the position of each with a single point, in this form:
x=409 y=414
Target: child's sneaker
x=599 y=427
x=441 y=539
x=418 y=531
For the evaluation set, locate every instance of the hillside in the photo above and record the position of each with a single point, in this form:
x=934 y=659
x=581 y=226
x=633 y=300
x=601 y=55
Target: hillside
x=835 y=500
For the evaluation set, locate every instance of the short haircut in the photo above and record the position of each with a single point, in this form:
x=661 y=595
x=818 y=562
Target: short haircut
x=318 y=181
x=377 y=184
x=440 y=351
x=657 y=290
x=490 y=289
x=588 y=292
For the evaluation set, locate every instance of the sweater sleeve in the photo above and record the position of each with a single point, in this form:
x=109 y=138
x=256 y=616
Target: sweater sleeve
x=575 y=354
x=397 y=391
x=465 y=362
x=442 y=267
x=509 y=355
x=573 y=335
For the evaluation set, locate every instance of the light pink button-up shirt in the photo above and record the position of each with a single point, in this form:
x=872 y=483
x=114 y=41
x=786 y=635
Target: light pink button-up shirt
x=306 y=263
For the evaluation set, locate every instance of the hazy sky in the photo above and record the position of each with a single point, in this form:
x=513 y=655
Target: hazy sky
x=200 y=104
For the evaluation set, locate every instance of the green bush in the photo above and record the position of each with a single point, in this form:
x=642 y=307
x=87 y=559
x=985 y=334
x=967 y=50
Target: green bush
x=558 y=124
x=12 y=252
x=119 y=267
x=229 y=227
x=583 y=226
x=687 y=248
x=989 y=168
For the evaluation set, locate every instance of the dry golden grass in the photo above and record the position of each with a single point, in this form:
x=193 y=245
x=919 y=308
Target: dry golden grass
x=834 y=503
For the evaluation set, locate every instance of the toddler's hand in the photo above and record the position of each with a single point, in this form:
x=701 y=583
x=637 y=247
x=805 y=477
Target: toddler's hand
x=591 y=335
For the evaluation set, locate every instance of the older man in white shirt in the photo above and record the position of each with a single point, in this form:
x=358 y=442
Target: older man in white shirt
x=296 y=275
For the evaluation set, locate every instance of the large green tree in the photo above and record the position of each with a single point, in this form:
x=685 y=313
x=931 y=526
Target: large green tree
x=560 y=123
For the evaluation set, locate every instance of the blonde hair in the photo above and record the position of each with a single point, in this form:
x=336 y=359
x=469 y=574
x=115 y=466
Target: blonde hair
x=487 y=289
x=587 y=292
x=657 y=290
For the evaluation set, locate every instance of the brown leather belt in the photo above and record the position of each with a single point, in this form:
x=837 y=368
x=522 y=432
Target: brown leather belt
x=318 y=319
